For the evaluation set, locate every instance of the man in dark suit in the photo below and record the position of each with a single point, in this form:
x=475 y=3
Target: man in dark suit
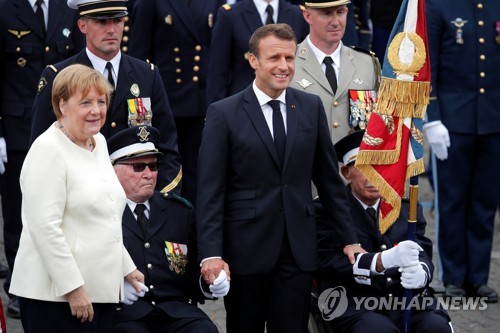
x=228 y=70
x=139 y=97
x=159 y=233
x=260 y=150
x=182 y=59
x=391 y=264
x=27 y=45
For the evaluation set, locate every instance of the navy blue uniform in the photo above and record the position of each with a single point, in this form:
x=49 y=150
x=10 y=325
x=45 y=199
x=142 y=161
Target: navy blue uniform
x=182 y=59
x=357 y=31
x=465 y=57
x=336 y=270
x=134 y=76
x=173 y=285
x=229 y=71
x=25 y=50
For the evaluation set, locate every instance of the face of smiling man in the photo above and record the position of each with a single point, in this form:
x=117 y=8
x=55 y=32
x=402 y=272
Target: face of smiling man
x=274 y=65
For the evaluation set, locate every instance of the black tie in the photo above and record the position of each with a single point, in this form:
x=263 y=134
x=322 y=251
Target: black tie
x=330 y=73
x=141 y=216
x=270 y=12
x=373 y=214
x=39 y=14
x=109 y=67
x=278 y=129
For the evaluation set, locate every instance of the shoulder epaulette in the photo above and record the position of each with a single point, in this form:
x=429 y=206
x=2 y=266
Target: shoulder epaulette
x=53 y=68
x=226 y=6
x=376 y=63
x=152 y=66
x=173 y=196
x=302 y=7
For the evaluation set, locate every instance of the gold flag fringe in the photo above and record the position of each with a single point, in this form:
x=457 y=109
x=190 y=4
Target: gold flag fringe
x=382 y=156
x=408 y=99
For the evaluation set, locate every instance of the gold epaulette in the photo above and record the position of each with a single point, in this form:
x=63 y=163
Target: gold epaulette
x=53 y=68
x=152 y=66
x=302 y=7
x=226 y=6
x=174 y=183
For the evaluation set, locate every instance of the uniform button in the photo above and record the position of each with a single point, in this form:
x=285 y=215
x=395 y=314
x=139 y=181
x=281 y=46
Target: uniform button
x=177 y=70
x=390 y=295
x=125 y=39
x=178 y=81
x=383 y=247
x=113 y=124
x=482 y=57
x=67 y=47
x=195 y=79
x=47 y=49
x=481 y=40
x=125 y=49
x=196 y=68
x=153 y=302
x=176 y=49
x=480 y=23
x=335 y=124
x=389 y=280
x=335 y=104
x=149 y=266
x=197 y=58
x=18 y=49
x=480 y=5
x=147 y=245
x=482 y=74
x=481 y=91
x=125 y=18
x=151 y=287
x=126 y=28
x=197 y=48
x=177 y=59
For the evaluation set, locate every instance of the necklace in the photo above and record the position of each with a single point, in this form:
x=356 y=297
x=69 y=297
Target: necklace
x=89 y=145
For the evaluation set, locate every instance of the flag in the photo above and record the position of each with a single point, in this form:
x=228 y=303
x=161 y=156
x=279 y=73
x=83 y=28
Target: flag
x=392 y=147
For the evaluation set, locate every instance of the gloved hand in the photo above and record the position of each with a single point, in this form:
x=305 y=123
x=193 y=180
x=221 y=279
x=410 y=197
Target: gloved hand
x=413 y=277
x=403 y=255
x=3 y=155
x=221 y=284
x=130 y=294
x=438 y=137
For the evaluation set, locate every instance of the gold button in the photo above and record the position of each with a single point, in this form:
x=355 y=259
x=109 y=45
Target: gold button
x=151 y=287
x=113 y=124
x=149 y=266
x=480 y=23
x=196 y=68
x=177 y=70
x=178 y=80
x=335 y=104
x=481 y=40
x=47 y=49
x=482 y=57
x=335 y=124
x=480 y=5
x=197 y=58
x=147 y=245
x=124 y=49
x=125 y=18
x=383 y=247
x=18 y=49
x=125 y=39
x=177 y=59
x=176 y=49
x=126 y=28
x=481 y=91
x=197 y=48
x=482 y=74
x=195 y=79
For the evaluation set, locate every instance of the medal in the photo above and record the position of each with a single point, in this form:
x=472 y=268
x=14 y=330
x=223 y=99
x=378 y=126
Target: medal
x=497 y=28
x=459 y=23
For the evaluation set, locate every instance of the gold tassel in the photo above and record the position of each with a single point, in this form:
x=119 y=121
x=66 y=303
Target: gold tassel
x=408 y=99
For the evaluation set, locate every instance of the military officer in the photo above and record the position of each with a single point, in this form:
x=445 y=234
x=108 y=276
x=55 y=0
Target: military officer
x=229 y=71
x=182 y=59
x=27 y=45
x=355 y=72
x=464 y=130
x=139 y=97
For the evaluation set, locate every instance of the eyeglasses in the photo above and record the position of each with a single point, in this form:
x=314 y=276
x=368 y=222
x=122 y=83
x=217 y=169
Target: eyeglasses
x=140 y=166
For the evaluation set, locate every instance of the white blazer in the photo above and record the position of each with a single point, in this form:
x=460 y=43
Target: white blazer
x=72 y=222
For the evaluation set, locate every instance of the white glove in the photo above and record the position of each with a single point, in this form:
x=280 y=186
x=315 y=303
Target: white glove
x=220 y=287
x=403 y=255
x=438 y=137
x=130 y=294
x=413 y=277
x=3 y=155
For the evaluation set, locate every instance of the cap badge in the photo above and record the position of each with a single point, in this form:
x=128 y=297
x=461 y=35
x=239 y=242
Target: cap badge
x=143 y=134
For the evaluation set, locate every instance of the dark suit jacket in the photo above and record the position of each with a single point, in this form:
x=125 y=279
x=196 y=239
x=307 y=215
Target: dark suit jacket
x=336 y=270
x=247 y=201
x=132 y=71
x=182 y=58
x=24 y=52
x=170 y=220
x=229 y=71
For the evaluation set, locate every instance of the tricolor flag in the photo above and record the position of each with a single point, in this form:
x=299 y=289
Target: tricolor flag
x=392 y=147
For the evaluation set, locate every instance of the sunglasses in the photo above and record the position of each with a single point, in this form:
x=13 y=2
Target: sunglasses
x=140 y=166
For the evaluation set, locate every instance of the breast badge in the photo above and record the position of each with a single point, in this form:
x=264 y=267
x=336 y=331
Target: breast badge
x=304 y=83
x=459 y=24
x=177 y=257
x=139 y=111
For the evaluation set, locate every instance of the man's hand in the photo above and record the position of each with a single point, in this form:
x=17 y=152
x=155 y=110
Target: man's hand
x=413 y=277
x=439 y=138
x=210 y=269
x=80 y=304
x=221 y=285
x=131 y=295
x=351 y=249
x=405 y=254
x=3 y=155
x=134 y=278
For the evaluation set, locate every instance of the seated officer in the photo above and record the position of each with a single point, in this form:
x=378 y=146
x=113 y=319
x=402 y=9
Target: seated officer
x=386 y=269
x=159 y=233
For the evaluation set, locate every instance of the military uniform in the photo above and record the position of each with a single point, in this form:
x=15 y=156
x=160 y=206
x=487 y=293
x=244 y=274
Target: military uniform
x=357 y=30
x=173 y=280
x=357 y=71
x=136 y=79
x=25 y=51
x=229 y=71
x=182 y=59
x=464 y=44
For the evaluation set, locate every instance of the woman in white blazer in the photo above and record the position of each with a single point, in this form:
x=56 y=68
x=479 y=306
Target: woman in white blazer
x=71 y=263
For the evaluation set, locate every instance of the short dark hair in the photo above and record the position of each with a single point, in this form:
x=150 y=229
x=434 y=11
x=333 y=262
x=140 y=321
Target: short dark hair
x=280 y=30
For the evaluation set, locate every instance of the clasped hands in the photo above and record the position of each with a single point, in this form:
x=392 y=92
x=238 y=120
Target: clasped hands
x=216 y=274
x=406 y=256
